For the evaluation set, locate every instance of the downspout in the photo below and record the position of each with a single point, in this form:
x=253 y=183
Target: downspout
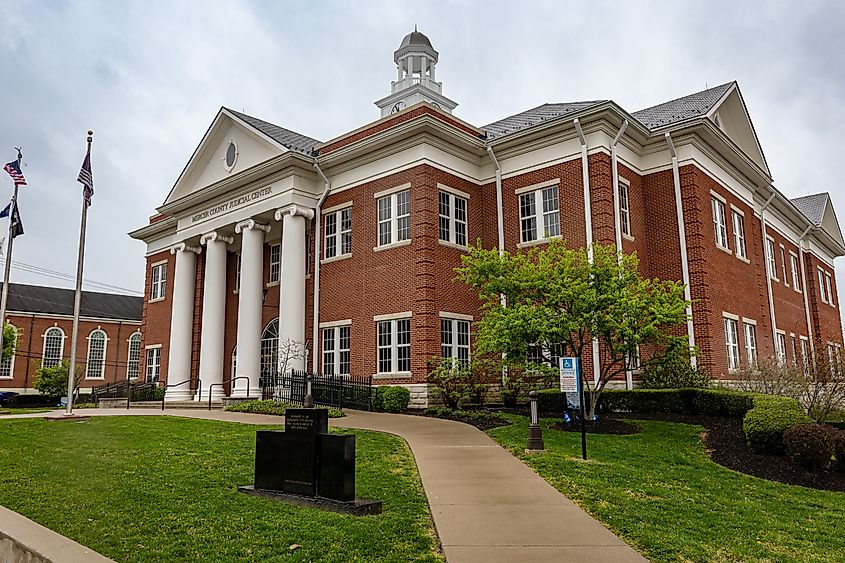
x=804 y=286
x=768 y=274
x=682 y=236
x=500 y=225
x=588 y=226
x=315 y=332
x=617 y=221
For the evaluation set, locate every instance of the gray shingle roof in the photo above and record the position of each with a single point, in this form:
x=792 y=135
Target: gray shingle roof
x=812 y=206
x=25 y=298
x=535 y=116
x=285 y=137
x=688 y=107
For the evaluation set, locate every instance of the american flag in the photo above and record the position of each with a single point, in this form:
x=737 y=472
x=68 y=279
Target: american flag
x=86 y=179
x=14 y=170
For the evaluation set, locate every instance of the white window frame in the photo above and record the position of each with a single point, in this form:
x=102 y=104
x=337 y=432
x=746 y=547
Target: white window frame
x=805 y=352
x=720 y=226
x=9 y=366
x=783 y=265
x=392 y=321
x=731 y=325
x=538 y=214
x=61 y=347
x=158 y=288
x=624 y=209
x=334 y=243
x=771 y=259
x=749 y=330
x=137 y=359
x=739 y=234
x=822 y=294
x=335 y=329
x=454 y=346
x=780 y=347
x=156 y=364
x=796 y=274
x=454 y=226
x=102 y=360
x=274 y=271
x=393 y=220
x=828 y=285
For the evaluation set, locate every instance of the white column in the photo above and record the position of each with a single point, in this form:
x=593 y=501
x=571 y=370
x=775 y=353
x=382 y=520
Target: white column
x=213 y=313
x=181 y=321
x=292 y=287
x=250 y=296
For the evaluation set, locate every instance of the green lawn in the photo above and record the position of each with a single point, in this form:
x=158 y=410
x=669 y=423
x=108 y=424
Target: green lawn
x=659 y=492
x=164 y=489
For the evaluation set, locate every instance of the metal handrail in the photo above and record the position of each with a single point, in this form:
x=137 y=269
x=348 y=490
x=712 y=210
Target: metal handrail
x=166 y=387
x=222 y=383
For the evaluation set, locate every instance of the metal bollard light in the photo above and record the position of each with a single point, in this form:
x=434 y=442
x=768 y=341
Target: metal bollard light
x=535 y=434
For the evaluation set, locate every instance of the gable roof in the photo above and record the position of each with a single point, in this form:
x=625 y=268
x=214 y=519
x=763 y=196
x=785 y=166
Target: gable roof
x=681 y=109
x=535 y=116
x=41 y=299
x=812 y=206
x=291 y=140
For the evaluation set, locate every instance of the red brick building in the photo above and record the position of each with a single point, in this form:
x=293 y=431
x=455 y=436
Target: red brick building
x=344 y=250
x=108 y=346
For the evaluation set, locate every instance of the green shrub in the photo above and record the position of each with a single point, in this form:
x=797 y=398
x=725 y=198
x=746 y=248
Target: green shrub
x=765 y=424
x=809 y=445
x=277 y=408
x=52 y=381
x=838 y=439
x=148 y=394
x=722 y=402
x=393 y=398
x=673 y=371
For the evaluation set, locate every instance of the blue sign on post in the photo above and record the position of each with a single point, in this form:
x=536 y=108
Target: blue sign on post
x=570 y=382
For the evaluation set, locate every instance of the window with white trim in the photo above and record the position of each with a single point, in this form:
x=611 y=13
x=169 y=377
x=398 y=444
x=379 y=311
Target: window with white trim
x=794 y=344
x=828 y=287
x=732 y=343
x=7 y=367
x=805 y=353
x=133 y=362
x=822 y=293
x=543 y=203
x=336 y=344
x=54 y=344
x=796 y=276
x=720 y=228
x=95 y=365
x=739 y=234
x=545 y=354
x=394 y=218
x=770 y=259
x=750 y=343
x=780 y=347
x=275 y=262
x=338 y=232
x=453 y=218
x=624 y=209
x=394 y=346
x=454 y=339
x=158 y=285
x=153 y=371
x=783 y=265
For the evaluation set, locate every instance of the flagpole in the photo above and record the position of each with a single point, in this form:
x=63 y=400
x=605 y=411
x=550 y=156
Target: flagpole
x=8 y=266
x=77 y=296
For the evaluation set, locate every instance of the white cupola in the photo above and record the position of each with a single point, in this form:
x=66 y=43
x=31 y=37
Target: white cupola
x=415 y=61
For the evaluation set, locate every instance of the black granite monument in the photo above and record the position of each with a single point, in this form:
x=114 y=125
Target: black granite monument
x=307 y=466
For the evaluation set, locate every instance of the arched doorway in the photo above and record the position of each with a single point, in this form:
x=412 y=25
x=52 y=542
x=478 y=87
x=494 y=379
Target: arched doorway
x=270 y=349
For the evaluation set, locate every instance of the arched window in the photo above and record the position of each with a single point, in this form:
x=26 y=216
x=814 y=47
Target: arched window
x=7 y=367
x=54 y=345
x=234 y=362
x=270 y=348
x=96 y=365
x=133 y=364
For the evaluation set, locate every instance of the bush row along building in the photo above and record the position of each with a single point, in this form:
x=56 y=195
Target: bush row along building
x=345 y=250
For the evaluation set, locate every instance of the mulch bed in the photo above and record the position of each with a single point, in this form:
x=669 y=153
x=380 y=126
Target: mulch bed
x=604 y=426
x=725 y=443
x=480 y=419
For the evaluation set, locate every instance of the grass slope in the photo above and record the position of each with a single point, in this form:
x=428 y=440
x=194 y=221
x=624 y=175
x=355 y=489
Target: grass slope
x=164 y=489
x=659 y=491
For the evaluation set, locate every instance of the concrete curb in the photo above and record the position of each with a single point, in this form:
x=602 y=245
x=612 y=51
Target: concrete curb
x=25 y=541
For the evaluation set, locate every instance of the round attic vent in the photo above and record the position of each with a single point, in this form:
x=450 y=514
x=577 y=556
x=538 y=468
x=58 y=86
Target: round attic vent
x=231 y=156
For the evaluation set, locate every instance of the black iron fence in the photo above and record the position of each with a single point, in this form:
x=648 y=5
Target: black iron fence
x=125 y=389
x=341 y=391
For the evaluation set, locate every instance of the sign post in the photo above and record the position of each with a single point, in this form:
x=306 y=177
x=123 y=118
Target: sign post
x=571 y=384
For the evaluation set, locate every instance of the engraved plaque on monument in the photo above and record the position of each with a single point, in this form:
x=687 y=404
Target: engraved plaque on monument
x=299 y=454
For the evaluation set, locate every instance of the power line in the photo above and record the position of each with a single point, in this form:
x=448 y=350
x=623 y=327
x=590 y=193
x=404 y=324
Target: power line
x=68 y=277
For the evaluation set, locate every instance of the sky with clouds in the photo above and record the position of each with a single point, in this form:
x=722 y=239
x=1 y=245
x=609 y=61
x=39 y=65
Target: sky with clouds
x=149 y=76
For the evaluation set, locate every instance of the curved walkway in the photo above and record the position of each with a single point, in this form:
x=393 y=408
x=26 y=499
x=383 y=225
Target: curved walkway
x=487 y=505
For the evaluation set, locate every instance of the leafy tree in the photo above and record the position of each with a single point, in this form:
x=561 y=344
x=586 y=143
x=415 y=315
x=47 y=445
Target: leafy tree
x=557 y=295
x=52 y=381
x=10 y=342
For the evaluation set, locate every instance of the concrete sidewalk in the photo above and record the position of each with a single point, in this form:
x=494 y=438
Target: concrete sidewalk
x=487 y=505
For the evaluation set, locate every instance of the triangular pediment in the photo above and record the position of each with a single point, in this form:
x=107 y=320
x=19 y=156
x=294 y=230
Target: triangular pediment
x=208 y=164
x=731 y=116
x=830 y=224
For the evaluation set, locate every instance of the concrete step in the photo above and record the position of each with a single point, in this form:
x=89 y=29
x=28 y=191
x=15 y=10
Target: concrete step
x=121 y=404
